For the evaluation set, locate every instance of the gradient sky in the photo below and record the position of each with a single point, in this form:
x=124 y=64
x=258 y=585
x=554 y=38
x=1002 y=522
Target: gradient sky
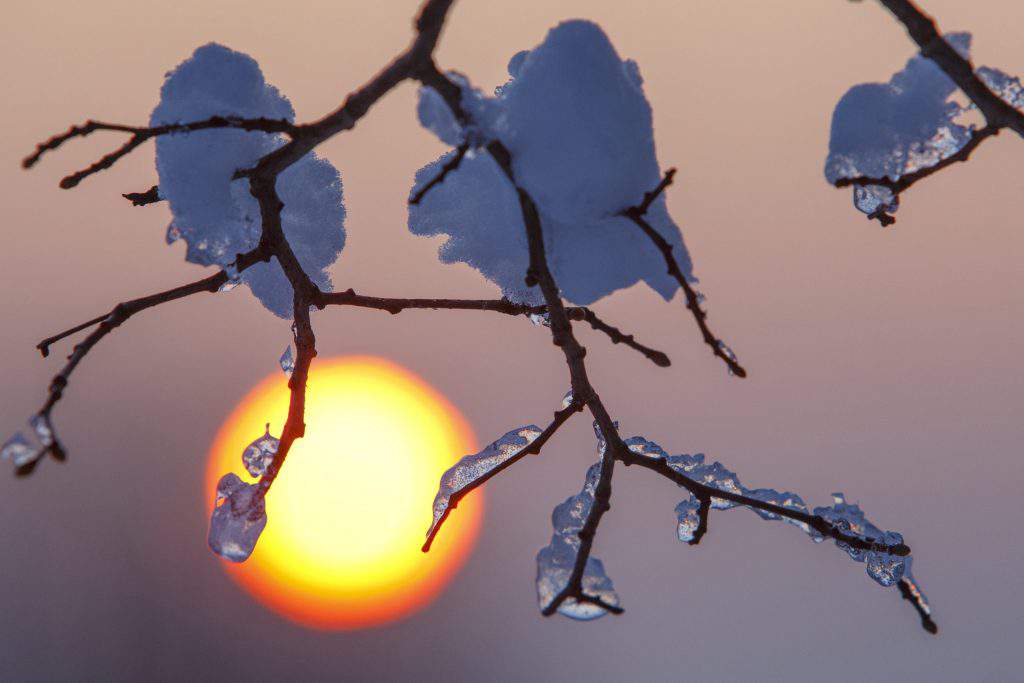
x=883 y=363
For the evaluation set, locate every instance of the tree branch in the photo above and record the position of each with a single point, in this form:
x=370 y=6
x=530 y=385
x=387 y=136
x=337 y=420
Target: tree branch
x=107 y=324
x=704 y=492
x=636 y=214
x=395 y=306
x=449 y=166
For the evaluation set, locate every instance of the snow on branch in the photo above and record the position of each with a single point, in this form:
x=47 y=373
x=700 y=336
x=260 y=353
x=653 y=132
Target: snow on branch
x=886 y=137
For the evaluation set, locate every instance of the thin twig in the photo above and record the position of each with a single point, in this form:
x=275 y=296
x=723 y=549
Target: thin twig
x=140 y=134
x=396 y=305
x=450 y=166
x=636 y=214
x=107 y=324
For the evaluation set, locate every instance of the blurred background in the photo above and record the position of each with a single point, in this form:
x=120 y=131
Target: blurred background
x=883 y=362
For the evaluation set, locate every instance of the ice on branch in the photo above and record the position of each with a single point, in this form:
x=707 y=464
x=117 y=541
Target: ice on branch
x=888 y=130
x=884 y=567
x=555 y=562
x=287 y=361
x=20 y=451
x=579 y=128
x=238 y=518
x=473 y=469
x=218 y=217
x=258 y=455
x=25 y=452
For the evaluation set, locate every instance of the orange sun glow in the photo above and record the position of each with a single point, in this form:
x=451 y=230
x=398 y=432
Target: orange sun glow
x=347 y=516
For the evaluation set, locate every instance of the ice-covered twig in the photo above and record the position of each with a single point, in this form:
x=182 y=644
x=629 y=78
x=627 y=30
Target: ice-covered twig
x=601 y=503
x=493 y=460
x=636 y=214
x=904 y=182
x=140 y=134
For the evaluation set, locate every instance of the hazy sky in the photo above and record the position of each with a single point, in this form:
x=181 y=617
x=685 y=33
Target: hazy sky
x=883 y=363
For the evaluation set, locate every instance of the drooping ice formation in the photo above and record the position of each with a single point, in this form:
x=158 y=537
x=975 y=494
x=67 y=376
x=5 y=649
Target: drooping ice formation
x=20 y=451
x=258 y=455
x=238 y=519
x=472 y=468
x=555 y=561
x=218 y=217
x=287 y=361
x=579 y=128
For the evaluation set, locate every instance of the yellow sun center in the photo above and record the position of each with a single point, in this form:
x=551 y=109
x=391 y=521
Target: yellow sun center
x=348 y=513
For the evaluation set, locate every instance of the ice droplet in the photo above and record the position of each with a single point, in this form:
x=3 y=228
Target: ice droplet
x=688 y=516
x=19 y=450
x=41 y=426
x=258 y=455
x=287 y=361
x=238 y=519
x=884 y=568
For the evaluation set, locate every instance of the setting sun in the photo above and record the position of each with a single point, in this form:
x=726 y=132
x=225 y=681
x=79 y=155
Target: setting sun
x=347 y=516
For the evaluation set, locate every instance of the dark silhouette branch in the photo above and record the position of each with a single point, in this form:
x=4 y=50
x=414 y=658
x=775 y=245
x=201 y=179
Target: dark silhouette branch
x=450 y=165
x=636 y=214
x=561 y=416
x=904 y=182
x=150 y=196
x=395 y=306
x=140 y=134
